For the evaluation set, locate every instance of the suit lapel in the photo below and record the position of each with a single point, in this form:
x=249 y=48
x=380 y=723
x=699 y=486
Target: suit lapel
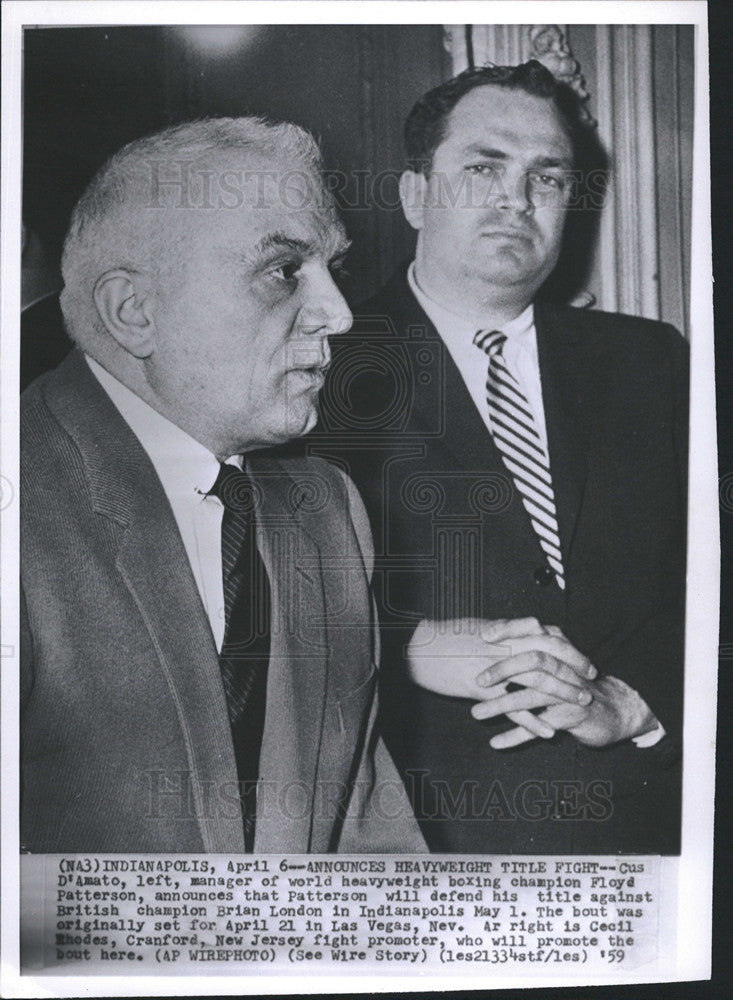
x=298 y=672
x=152 y=561
x=462 y=431
x=560 y=361
x=465 y=436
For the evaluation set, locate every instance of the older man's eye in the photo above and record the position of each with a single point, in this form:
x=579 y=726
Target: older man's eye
x=287 y=271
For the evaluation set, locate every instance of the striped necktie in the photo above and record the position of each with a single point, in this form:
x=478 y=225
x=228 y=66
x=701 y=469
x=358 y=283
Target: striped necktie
x=245 y=651
x=524 y=454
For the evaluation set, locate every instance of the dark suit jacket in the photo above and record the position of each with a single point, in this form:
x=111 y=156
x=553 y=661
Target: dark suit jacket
x=454 y=540
x=43 y=340
x=126 y=744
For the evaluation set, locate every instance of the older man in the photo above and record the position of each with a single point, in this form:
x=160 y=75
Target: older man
x=524 y=466
x=198 y=662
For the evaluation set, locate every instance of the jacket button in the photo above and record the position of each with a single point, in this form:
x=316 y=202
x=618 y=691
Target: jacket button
x=543 y=576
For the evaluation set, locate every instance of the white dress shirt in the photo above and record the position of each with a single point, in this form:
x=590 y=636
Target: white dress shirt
x=520 y=352
x=187 y=471
x=521 y=358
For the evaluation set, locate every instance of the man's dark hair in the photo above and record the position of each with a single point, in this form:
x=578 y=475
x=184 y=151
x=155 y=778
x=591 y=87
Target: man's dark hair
x=426 y=124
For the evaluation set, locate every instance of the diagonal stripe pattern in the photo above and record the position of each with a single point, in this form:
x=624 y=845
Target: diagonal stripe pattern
x=245 y=651
x=524 y=454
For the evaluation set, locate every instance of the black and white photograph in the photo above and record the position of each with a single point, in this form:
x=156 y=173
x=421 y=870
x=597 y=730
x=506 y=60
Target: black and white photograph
x=360 y=565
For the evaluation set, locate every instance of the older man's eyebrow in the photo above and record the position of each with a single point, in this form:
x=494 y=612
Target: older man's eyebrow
x=335 y=245
x=281 y=241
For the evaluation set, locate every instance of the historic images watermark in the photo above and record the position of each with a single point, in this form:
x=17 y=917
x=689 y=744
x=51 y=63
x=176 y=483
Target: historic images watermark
x=176 y=794
x=190 y=184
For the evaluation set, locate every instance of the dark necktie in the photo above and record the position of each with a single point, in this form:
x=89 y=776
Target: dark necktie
x=245 y=650
x=525 y=456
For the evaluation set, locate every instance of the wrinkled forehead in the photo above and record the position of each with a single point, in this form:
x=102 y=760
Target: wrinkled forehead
x=295 y=200
x=228 y=179
x=238 y=200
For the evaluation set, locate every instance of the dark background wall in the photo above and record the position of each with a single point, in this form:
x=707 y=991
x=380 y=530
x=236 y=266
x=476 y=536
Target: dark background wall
x=90 y=90
x=87 y=91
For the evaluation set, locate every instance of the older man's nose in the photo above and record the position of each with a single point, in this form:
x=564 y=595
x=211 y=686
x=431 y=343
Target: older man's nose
x=326 y=312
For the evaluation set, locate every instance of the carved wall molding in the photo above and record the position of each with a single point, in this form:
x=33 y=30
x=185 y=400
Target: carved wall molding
x=549 y=46
x=510 y=44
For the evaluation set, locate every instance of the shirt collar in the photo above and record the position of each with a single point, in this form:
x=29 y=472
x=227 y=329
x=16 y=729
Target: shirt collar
x=184 y=466
x=444 y=318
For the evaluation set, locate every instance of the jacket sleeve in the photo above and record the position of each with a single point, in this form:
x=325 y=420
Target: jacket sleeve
x=651 y=658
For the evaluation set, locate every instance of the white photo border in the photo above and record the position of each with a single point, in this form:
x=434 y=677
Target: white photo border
x=694 y=873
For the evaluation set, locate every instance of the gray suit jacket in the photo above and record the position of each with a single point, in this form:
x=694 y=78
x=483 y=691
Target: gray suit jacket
x=125 y=739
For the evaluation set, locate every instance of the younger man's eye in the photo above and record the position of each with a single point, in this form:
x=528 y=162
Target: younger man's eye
x=549 y=181
x=482 y=169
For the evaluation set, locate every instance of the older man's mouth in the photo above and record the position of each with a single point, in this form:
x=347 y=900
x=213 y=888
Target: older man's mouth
x=316 y=374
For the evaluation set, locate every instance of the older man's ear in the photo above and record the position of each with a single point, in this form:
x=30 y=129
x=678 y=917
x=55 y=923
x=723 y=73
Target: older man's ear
x=124 y=303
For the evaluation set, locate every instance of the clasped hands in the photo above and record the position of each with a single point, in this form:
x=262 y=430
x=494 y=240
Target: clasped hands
x=530 y=667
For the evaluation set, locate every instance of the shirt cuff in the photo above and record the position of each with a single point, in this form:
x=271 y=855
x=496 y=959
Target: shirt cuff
x=651 y=738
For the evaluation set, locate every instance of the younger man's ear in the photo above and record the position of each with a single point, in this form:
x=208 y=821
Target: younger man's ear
x=123 y=302
x=413 y=193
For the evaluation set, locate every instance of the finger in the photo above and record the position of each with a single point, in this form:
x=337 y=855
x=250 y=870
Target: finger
x=554 y=630
x=512 y=738
x=559 y=647
x=535 y=724
x=538 y=680
x=509 y=628
x=523 y=733
x=560 y=716
x=549 y=653
x=517 y=701
x=527 y=698
x=562 y=690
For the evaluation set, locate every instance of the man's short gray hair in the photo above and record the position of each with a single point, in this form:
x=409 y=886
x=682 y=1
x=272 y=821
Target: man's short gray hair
x=118 y=221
